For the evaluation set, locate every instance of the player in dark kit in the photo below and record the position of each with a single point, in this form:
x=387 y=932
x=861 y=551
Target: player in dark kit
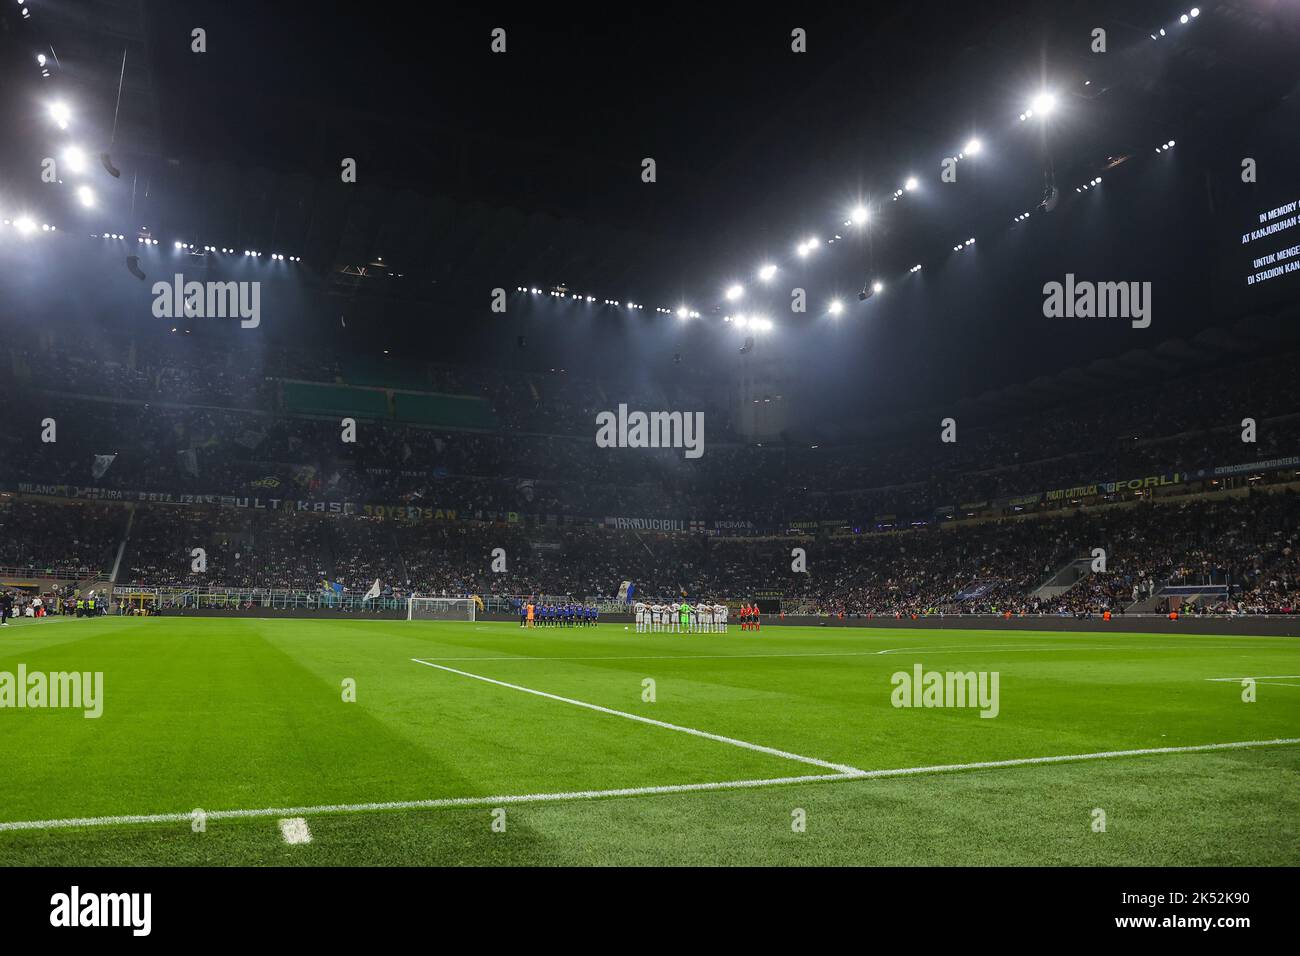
x=6 y=608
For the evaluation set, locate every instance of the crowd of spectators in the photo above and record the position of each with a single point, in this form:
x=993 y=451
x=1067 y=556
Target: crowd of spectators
x=1238 y=553
x=173 y=421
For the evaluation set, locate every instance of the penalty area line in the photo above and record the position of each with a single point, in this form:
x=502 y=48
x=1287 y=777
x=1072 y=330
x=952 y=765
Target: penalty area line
x=471 y=802
x=771 y=751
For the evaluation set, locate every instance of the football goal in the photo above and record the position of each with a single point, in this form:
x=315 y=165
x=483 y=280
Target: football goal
x=440 y=609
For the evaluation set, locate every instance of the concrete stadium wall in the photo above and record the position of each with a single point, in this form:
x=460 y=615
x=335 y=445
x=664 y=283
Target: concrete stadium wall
x=1256 y=625
x=1262 y=625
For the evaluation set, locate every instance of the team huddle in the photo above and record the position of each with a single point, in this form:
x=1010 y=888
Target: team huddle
x=681 y=618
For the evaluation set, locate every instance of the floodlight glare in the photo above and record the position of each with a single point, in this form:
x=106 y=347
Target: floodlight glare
x=734 y=292
x=1196 y=11
x=911 y=183
x=767 y=272
x=858 y=215
x=683 y=312
x=877 y=286
x=25 y=224
x=85 y=195
x=973 y=147
x=1043 y=104
x=836 y=307
x=60 y=113
x=76 y=159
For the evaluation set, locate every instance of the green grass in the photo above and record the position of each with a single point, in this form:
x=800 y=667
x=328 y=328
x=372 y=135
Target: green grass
x=226 y=714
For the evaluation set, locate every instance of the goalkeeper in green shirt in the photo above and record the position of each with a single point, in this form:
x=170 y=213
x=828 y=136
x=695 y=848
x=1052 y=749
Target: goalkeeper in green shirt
x=685 y=613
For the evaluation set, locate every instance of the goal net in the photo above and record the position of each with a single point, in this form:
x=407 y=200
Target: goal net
x=439 y=609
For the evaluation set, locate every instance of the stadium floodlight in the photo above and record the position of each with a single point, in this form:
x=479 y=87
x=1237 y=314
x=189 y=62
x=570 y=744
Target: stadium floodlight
x=1196 y=11
x=761 y=324
x=734 y=292
x=859 y=215
x=877 y=286
x=1162 y=31
x=1184 y=18
x=40 y=59
x=86 y=196
x=742 y=321
x=767 y=272
x=60 y=113
x=683 y=312
x=836 y=307
x=911 y=183
x=973 y=147
x=1043 y=104
x=25 y=224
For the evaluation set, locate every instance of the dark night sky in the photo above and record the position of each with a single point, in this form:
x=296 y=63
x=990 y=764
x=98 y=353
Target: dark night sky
x=755 y=147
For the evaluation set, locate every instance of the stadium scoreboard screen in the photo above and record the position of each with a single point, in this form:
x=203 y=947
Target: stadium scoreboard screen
x=1271 y=245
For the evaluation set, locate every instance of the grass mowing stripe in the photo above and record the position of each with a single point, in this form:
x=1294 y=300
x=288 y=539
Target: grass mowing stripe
x=451 y=802
x=974 y=648
x=772 y=751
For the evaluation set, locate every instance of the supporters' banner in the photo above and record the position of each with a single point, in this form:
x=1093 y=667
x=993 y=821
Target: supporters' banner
x=373 y=592
x=646 y=524
x=625 y=592
x=100 y=463
x=1110 y=487
x=410 y=513
x=1273 y=464
x=526 y=489
x=267 y=481
x=188 y=462
x=1024 y=500
x=734 y=525
x=976 y=589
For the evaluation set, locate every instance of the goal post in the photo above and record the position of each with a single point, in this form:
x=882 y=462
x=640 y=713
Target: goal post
x=440 y=609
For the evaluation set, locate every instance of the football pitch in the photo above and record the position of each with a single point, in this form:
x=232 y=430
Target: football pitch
x=482 y=744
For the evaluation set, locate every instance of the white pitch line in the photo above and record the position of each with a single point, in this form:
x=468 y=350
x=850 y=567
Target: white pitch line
x=434 y=804
x=464 y=802
x=1263 y=677
x=738 y=657
x=772 y=751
